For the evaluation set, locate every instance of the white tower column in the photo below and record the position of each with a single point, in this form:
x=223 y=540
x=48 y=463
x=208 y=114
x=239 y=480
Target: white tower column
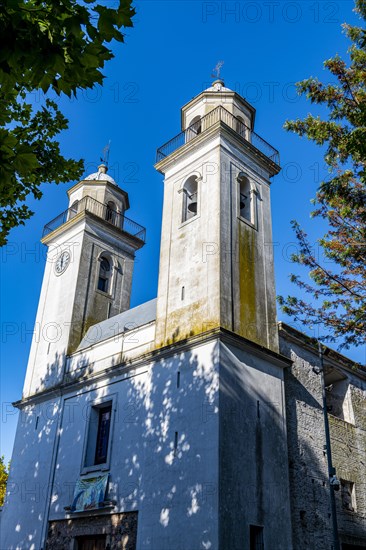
x=88 y=274
x=216 y=259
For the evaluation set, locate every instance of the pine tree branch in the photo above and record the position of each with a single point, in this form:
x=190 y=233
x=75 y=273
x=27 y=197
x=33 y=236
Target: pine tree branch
x=328 y=274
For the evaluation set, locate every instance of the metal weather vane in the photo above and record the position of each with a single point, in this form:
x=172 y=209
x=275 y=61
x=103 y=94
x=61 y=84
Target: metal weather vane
x=216 y=73
x=105 y=158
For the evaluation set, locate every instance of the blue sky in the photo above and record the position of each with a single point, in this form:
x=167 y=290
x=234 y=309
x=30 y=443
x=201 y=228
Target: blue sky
x=167 y=59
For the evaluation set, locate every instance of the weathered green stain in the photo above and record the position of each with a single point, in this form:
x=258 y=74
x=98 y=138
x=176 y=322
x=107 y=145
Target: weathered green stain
x=247 y=283
x=186 y=322
x=77 y=333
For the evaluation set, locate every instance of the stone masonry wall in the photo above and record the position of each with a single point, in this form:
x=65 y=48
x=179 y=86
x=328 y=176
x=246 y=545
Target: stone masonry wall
x=309 y=491
x=121 y=531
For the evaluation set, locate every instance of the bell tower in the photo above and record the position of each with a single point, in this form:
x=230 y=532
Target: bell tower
x=88 y=274
x=216 y=259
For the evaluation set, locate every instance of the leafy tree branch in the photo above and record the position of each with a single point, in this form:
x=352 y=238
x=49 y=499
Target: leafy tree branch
x=337 y=296
x=49 y=45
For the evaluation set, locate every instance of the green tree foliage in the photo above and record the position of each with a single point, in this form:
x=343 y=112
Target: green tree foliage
x=55 y=46
x=4 y=473
x=337 y=286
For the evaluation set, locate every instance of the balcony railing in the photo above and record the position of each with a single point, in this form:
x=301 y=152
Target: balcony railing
x=88 y=204
x=216 y=115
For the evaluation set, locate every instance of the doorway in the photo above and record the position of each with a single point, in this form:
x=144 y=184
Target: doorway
x=95 y=542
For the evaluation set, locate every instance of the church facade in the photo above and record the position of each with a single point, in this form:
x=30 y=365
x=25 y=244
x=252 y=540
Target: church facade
x=193 y=421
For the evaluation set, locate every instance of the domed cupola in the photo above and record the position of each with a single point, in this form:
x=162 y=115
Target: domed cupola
x=101 y=175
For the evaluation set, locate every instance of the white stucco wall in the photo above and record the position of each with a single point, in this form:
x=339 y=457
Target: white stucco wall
x=25 y=510
x=173 y=494
x=185 y=496
x=120 y=348
x=54 y=315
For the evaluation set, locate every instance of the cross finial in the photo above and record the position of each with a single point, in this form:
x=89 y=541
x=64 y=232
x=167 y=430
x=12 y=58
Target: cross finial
x=217 y=70
x=105 y=158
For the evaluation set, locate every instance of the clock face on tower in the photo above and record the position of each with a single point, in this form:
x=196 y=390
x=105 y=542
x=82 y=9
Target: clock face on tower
x=62 y=262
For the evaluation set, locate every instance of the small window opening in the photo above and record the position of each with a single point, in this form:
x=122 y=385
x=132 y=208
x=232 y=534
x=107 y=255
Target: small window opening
x=348 y=495
x=175 y=443
x=338 y=393
x=104 y=423
x=245 y=198
x=98 y=434
x=178 y=379
x=190 y=198
x=182 y=293
x=256 y=537
x=104 y=275
x=73 y=209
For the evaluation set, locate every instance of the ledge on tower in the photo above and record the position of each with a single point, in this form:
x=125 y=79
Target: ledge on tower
x=221 y=116
x=88 y=205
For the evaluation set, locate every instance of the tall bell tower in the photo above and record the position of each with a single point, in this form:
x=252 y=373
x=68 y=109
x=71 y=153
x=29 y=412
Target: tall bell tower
x=88 y=274
x=216 y=259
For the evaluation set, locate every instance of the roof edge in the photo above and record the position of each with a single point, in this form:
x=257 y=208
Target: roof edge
x=330 y=355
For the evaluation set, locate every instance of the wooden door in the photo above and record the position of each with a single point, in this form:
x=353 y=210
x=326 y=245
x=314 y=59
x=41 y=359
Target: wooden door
x=92 y=543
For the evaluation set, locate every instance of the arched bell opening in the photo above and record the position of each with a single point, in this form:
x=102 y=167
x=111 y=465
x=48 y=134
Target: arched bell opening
x=245 y=198
x=190 y=198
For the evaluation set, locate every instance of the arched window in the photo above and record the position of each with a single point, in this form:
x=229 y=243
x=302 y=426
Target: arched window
x=196 y=125
x=194 y=128
x=245 y=198
x=190 y=198
x=105 y=273
x=111 y=212
x=73 y=209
